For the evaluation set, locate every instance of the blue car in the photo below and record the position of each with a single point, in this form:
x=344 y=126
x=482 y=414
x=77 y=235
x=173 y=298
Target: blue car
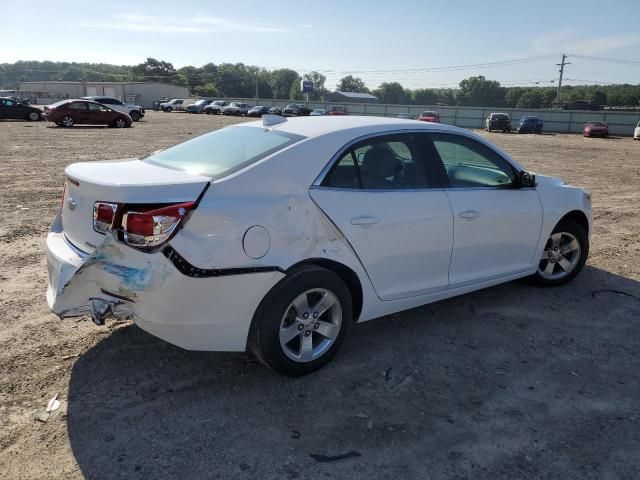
x=530 y=125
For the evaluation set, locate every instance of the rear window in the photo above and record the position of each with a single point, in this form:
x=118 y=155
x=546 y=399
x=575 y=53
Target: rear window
x=500 y=116
x=224 y=151
x=430 y=114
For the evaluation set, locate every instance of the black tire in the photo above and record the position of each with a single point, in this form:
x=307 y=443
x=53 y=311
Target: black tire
x=168 y=109
x=34 y=116
x=67 y=121
x=120 y=122
x=577 y=231
x=264 y=334
x=135 y=116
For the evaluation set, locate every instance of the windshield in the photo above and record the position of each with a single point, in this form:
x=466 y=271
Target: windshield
x=429 y=114
x=223 y=151
x=200 y=102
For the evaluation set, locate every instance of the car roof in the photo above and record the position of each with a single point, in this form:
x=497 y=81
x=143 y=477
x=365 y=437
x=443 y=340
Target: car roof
x=322 y=125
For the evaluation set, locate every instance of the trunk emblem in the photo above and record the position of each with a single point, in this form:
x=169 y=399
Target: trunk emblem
x=71 y=203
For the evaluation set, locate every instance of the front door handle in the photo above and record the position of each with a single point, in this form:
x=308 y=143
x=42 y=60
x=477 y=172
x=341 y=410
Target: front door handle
x=364 y=220
x=469 y=214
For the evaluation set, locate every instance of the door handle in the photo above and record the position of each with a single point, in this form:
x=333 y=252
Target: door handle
x=469 y=214
x=364 y=220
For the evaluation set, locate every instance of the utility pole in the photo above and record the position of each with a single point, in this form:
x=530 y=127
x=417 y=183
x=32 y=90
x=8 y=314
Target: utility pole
x=257 y=88
x=561 y=65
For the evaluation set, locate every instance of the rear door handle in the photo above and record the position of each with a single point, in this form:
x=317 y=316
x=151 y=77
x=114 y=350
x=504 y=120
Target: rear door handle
x=469 y=214
x=364 y=220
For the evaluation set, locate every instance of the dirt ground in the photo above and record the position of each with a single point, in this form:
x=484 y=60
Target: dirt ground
x=510 y=382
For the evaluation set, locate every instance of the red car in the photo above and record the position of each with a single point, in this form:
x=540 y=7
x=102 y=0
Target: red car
x=429 y=116
x=68 y=113
x=596 y=129
x=338 y=111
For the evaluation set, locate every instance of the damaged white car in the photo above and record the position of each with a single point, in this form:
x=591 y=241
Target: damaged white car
x=278 y=235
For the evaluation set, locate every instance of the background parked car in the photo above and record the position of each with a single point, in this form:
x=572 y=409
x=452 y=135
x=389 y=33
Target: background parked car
x=430 y=116
x=296 y=110
x=136 y=112
x=596 y=129
x=68 y=113
x=498 y=121
x=317 y=111
x=275 y=111
x=236 y=109
x=338 y=111
x=257 y=111
x=198 y=107
x=10 y=109
x=636 y=132
x=171 y=105
x=530 y=125
x=215 y=107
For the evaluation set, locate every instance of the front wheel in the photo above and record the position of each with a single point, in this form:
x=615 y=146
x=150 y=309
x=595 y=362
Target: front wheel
x=33 y=116
x=564 y=255
x=120 y=123
x=302 y=322
x=67 y=121
x=135 y=116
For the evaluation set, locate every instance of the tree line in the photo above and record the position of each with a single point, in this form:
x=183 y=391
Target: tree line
x=237 y=80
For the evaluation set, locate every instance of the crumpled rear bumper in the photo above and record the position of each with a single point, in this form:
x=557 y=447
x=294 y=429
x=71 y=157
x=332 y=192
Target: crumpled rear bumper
x=121 y=282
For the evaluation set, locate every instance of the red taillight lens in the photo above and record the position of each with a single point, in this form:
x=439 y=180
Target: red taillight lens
x=103 y=215
x=153 y=227
x=64 y=194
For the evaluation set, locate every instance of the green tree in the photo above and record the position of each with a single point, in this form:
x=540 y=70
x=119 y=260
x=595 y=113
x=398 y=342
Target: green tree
x=154 y=70
x=352 y=84
x=318 y=80
x=391 y=92
x=512 y=96
x=480 y=92
x=281 y=82
x=598 y=97
x=530 y=99
x=72 y=73
x=425 y=96
x=295 y=92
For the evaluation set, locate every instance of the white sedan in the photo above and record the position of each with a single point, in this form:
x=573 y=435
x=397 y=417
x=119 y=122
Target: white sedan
x=279 y=234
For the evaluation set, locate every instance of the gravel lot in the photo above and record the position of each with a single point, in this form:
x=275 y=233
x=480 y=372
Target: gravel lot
x=510 y=382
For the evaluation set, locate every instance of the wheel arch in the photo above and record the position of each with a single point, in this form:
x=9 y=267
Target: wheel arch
x=577 y=216
x=348 y=276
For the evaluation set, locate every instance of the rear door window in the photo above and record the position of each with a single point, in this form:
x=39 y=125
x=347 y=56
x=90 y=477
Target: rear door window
x=392 y=162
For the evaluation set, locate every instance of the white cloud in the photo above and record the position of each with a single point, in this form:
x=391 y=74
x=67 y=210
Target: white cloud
x=570 y=41
x=195 y=24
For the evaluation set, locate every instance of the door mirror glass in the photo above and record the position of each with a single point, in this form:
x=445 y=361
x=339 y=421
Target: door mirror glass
x=527 y=179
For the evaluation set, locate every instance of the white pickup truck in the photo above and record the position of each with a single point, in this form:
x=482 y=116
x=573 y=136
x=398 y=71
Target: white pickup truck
x=136 y=112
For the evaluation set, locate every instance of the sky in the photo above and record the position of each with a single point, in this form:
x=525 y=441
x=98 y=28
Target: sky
x=414 y=42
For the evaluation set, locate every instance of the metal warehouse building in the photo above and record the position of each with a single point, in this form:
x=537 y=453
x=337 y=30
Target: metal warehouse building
x=350 y=97
x=140 y=93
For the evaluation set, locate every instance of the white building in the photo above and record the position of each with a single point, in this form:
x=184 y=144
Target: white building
x=140 y=93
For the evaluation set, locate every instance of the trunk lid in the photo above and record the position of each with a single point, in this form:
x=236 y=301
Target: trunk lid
x=125 y=181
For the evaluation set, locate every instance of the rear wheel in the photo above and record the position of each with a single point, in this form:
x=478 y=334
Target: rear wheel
x=302 y=322
x=67 y=121
x=564 y=255
x=135 y=116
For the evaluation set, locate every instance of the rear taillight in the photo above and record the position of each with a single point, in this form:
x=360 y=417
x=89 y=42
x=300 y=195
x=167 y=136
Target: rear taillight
x=103 y=216
x=153 y=227
x=64 y=194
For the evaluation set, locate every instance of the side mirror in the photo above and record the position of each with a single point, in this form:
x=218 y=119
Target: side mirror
x=526 y=179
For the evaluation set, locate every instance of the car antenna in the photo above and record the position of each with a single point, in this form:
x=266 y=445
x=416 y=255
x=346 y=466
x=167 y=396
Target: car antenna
x=269 y=119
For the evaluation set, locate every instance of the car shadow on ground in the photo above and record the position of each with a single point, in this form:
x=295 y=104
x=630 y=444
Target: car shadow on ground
x=512 y=381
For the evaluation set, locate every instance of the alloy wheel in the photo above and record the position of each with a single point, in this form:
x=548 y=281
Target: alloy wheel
x=310 y=325
x=560 y=257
